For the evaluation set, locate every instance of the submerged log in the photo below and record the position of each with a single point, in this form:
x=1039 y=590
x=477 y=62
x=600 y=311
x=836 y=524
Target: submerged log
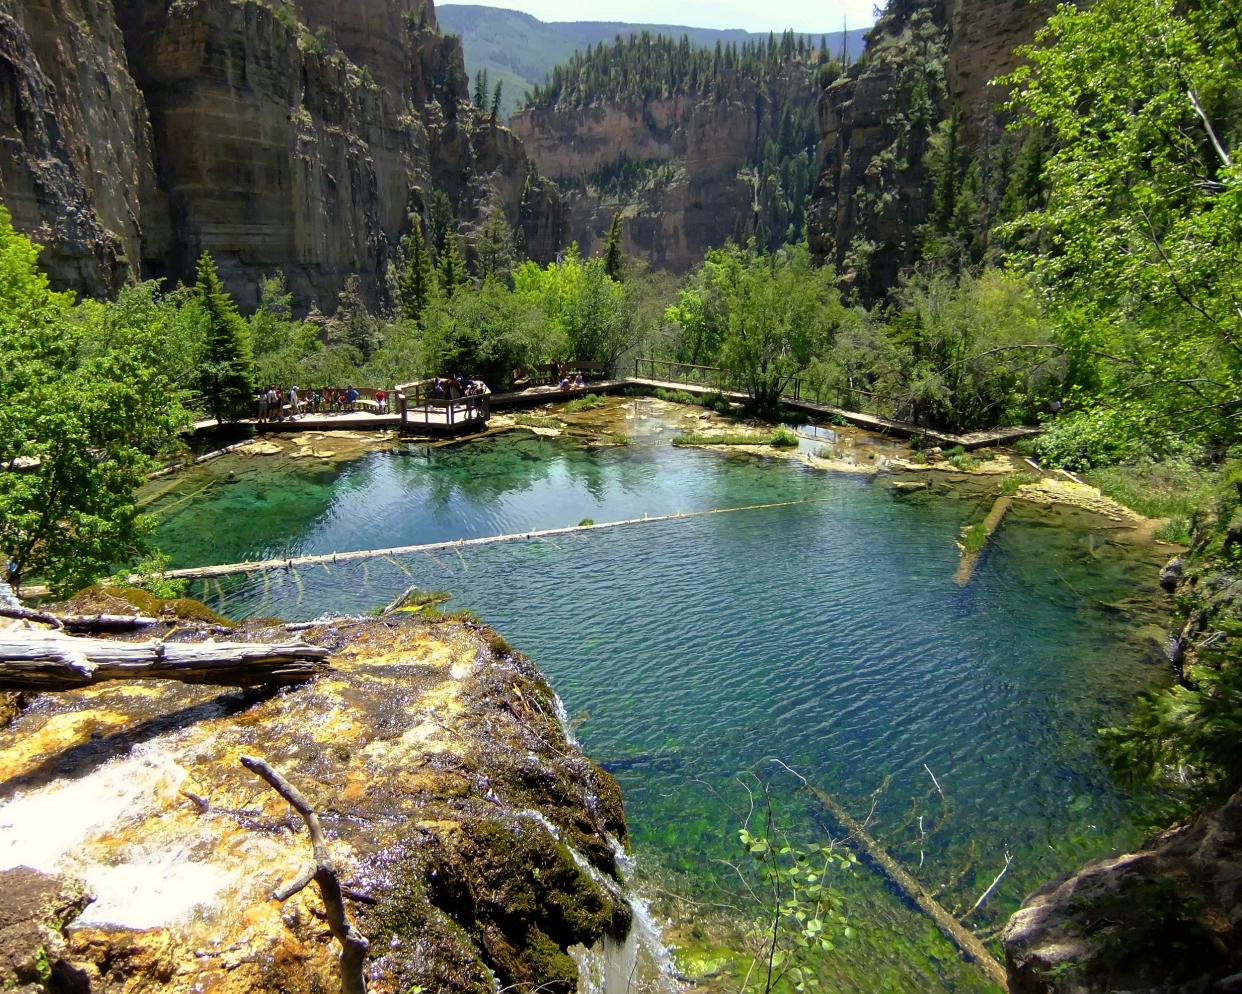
x=50 y=660
x=967 y=943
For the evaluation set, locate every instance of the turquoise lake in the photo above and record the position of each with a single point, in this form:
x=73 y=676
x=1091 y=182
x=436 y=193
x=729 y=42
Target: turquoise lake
x=829 y=635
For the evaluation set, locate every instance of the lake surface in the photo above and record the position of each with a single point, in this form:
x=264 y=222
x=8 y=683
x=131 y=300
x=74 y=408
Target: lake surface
x=829 y=635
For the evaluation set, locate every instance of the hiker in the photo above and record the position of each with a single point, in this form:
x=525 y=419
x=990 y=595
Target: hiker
x=566 y=386
x=261 y=399
x=351 y=398
x=578 y=380
x=381 y=401
x=294 y=402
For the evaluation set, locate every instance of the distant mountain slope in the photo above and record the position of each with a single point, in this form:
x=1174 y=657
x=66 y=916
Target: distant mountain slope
x=521 y=50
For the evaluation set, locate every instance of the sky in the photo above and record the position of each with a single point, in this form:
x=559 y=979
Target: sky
x=810 y=16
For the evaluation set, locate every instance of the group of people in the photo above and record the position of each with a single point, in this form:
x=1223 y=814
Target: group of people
x=452 y=387
x=564 y=377
x=274 y=403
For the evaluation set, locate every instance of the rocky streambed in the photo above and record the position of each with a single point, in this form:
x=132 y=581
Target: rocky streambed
x=478 y=848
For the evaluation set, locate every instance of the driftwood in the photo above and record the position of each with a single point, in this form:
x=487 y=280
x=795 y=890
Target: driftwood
x=353 y=944
x=80 y=622
x=967 y=943
x=45 y=661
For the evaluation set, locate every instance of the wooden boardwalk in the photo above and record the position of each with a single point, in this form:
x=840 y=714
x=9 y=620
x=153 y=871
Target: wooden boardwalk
x=437 y=420
x=869 y=422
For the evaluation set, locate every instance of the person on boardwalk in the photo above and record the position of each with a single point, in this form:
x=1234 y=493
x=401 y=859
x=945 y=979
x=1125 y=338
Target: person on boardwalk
x=381 y=401
x=261 y=404
x=351 y=398
x=294 y=401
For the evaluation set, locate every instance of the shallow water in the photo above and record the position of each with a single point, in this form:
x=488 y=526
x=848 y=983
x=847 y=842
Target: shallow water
x=829 y=635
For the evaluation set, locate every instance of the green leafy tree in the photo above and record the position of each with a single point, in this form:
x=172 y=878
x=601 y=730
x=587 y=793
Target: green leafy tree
x=283 y=345
x=90 y=394
x=764 y=317
x=226 y=363
x=1138 y=240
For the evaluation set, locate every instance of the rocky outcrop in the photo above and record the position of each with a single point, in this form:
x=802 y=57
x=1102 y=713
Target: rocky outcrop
x=1167 y=918
x=478 y=848
x=276 y=135
x=923 y=59
x=681 y=170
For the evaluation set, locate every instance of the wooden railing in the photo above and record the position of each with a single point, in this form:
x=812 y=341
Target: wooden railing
x=419 y=404
x=800 y=388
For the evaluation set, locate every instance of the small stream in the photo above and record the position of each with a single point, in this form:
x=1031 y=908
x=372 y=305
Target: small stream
x=828 y=635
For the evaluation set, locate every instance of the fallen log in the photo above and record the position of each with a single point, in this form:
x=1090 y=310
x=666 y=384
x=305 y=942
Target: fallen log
x=80 y=622
x=967 y=943
x=49 y=661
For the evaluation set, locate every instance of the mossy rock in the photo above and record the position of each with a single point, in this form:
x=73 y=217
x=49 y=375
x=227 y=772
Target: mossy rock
x=107 y=599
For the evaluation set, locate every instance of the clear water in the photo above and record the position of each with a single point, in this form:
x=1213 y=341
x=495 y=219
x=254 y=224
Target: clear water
x=829 y=635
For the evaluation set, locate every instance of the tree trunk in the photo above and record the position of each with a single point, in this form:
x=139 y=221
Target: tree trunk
x=49 y=661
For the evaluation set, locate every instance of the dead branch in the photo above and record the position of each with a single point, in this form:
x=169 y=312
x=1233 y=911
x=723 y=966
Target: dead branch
x=987 y=893
x=353 y=944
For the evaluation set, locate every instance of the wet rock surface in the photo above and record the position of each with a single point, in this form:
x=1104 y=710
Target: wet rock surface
x=475 y=843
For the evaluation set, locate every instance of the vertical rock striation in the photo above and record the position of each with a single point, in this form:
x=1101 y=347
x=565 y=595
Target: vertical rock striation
x=924 y=58
x=277 y=134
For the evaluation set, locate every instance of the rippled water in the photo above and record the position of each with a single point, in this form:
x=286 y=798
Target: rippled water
x=829 y=635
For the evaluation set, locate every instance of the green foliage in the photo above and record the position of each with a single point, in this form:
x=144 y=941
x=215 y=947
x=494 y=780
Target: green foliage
x=416 y=284
x=763 y=317
x=1138 y=239
x=974 y=538
x=590 y=402
x=493 y=247
x=675 y=396
x=614 y=259
x=801 y=916
x=226 y=363
x=452 y=268
x=587 y=311
x=150 y=574
x=91 y=393
x=784 y=437
x=780 y=438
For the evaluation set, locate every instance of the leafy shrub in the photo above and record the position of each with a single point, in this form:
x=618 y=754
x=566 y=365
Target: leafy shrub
x=784 y=437
x=590 y=402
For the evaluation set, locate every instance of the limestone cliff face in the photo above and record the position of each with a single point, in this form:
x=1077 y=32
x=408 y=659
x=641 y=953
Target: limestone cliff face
x=680 y=170
x=276 y=136
x=923 y=58
x=76 y=165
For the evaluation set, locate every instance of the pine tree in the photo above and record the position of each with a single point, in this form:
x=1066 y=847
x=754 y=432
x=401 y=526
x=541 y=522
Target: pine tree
x=417 y=279
x=496 y=100
x=480 y=90
x=493 y=249
x=614 y=258
x=452 y=265
x=354 y=324
x=226 y=367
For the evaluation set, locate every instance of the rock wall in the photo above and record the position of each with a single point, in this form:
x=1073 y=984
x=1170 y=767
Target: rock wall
x=1167 y=918
x=299 y=137
x=696 y=157
x=923 y=58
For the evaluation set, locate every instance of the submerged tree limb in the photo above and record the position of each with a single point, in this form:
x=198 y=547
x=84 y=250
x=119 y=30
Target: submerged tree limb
x=51 y=660
x=353 y=944
x=950 y=927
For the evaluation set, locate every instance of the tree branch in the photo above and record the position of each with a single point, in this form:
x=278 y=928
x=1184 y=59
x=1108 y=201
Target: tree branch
x=353 y=944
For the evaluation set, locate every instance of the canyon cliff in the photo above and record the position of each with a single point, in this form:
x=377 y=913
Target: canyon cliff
x=296 y=135
x=925 y=60
x=683 y=170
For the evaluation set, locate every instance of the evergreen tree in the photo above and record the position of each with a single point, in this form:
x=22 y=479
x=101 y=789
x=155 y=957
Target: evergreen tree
x=480 y=90
x=496 y=100
x=614 y=259
x=441 y=215
x=452 y=266
x=417 y=280
x=354 y=325
x=226 y=365
x=493 y=248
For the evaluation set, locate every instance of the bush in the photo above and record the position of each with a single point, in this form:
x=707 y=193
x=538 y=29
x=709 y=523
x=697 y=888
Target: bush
x=590 y=402
x=784 y=437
